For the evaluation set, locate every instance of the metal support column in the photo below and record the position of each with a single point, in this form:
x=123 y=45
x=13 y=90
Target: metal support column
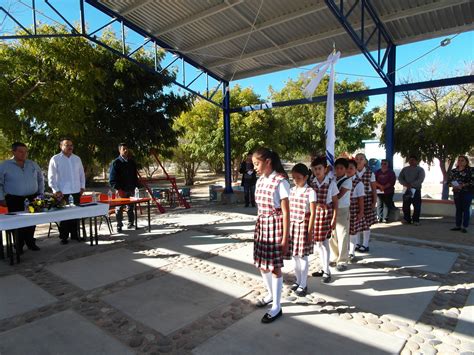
x=390 y=119
x=227 y=152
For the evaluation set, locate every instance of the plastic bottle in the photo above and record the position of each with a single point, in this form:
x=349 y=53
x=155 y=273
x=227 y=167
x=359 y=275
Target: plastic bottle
x=26 y=204
x=94 y=197
x=109 y=195
x=137 y=193
x=71 y=200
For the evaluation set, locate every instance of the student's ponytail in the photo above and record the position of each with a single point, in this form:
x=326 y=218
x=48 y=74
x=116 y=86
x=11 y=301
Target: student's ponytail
x=266 y=153
x=277 y=165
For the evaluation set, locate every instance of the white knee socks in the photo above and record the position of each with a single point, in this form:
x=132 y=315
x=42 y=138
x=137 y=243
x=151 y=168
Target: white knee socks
x=354 y=239
x=366 y=238
x=323 y=249
x=267 y=280
x=277 y=285
x=304 y=271
x=297 y=269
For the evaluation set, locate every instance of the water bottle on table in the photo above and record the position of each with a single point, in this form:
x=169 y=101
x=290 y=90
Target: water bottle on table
x=71 y=200
x=26 y=204
x=137 y=193
x=109 y=195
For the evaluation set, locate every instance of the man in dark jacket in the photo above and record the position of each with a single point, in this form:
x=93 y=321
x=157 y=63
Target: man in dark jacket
x=249 y=180
x=124 y=178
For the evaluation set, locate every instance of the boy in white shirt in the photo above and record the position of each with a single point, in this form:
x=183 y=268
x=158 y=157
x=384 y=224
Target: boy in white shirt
x=339 y=243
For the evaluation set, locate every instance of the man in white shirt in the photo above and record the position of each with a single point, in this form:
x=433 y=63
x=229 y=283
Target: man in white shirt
x=66 y=178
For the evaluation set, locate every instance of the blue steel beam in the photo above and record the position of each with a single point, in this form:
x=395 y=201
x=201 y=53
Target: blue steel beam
x=227 y=135
x=390 y=112
x=91 y=37
x=316 y=99
x=358 y=36
x=459 y=80
x=144 y=33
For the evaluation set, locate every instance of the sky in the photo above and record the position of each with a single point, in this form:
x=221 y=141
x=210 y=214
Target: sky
x=451 y=60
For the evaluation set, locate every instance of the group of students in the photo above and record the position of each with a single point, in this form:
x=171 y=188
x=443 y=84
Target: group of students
x=326 y=211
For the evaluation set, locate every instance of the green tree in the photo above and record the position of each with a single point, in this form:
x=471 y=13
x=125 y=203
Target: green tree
x=58 y=87
x=202 y=131
x=436 y=123
x=305 y=124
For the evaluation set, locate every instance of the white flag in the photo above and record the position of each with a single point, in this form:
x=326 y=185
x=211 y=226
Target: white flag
x=320 y=69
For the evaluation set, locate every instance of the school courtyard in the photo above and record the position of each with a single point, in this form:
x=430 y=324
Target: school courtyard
x=189 y=287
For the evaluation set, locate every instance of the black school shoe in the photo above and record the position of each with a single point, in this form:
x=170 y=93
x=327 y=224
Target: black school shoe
x=326 y=278
x=317 y=273
x=294 y=287
x=33 y=247
x=267 y=318
x=456 y=229
x=301 y=292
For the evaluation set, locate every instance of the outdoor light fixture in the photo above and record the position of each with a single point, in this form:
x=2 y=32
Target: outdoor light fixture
x=445 y=42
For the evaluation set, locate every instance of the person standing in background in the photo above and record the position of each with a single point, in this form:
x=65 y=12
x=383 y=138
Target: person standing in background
x=20 y=179
x=412 y=177
x=461 y=179
x=66 y=178
x=385 y=180
x=124 y=178
x=249 y=180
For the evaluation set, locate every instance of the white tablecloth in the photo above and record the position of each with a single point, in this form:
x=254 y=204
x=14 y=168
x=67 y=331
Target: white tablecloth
x=23 y=219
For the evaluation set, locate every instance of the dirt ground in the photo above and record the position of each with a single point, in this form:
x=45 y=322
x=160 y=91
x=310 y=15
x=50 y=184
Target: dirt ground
x=431 y=228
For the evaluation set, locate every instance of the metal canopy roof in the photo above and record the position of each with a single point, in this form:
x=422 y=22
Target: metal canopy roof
x=286 y=33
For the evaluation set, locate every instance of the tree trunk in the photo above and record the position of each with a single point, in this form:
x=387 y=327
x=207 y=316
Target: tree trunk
x=444 y=171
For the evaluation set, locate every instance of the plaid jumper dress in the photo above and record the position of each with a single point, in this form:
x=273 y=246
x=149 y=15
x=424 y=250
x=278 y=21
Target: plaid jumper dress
x=322 y=221
x=369 y=212
x=267 y=249
x=299 y=243
x=355 y=226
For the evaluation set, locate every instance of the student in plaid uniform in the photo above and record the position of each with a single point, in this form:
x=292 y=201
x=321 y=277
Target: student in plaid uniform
x=370 y=200
x=326 y=213
x=356 y=210
x=339 y=243
x=272 y=227
x=302 y=214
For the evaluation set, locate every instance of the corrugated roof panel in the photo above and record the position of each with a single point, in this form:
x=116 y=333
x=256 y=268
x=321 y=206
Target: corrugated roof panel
x=304 y=37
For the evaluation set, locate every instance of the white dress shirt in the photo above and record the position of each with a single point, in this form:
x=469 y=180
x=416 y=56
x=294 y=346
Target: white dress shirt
x=345 y=200
x=66 y=174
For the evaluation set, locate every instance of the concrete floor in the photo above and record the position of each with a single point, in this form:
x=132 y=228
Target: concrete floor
x=189 y=287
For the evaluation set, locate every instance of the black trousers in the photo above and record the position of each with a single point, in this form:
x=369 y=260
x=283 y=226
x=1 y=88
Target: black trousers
x=384 y=205
x=414 y=200
x=130 y=213
x=17 y=204
x=249 y=194
x=70 y=227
